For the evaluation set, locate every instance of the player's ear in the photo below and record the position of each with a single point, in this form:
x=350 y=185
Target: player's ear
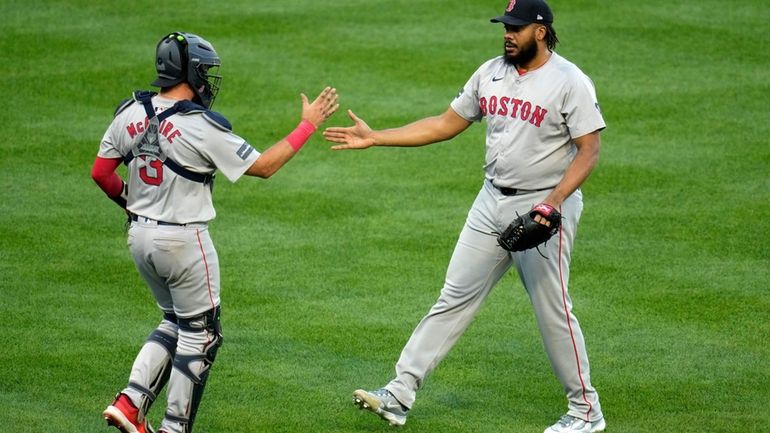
x=540 y=32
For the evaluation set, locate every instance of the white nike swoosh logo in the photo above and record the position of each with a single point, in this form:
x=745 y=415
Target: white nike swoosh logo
x=391 y=405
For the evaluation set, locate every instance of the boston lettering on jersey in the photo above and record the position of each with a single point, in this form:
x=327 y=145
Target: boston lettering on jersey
x=513 y=107
x=165 y=129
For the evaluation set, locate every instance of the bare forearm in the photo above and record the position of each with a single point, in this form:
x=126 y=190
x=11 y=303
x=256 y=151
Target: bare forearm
x=271 y=160
x=578 y=171
x=425 y=131
x=422 y=132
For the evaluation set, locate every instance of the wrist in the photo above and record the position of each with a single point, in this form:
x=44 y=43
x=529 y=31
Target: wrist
x=301 y=134
x=554 y=199
x=376 y=139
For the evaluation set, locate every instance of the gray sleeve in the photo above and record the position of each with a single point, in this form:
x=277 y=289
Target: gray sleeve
x=231 y=154
x=466 y=103
x=581 y=107
x=108 y=146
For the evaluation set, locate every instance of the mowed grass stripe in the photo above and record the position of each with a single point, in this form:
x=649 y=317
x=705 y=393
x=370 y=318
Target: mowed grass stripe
x=328 y=266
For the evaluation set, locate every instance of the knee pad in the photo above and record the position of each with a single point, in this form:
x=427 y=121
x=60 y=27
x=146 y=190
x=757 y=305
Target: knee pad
x=207 y=323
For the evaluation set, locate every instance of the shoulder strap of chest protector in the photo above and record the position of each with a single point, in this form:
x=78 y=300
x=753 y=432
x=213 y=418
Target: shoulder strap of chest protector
x=148 y=144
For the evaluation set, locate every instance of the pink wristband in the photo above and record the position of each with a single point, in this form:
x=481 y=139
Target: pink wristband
x=300 y=135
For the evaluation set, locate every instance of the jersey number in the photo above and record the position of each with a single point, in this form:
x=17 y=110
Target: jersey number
x=152 y=173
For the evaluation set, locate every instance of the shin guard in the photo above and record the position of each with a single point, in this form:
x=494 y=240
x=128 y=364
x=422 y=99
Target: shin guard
x=199 y=340
x=152 y=367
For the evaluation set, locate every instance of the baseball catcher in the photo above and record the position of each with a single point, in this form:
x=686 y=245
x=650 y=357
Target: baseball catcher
x=172 y=145
x=527 y=232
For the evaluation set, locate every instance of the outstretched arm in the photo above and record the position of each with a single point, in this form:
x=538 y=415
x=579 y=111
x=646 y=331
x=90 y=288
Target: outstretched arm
x=313 y=115
x=424 y=131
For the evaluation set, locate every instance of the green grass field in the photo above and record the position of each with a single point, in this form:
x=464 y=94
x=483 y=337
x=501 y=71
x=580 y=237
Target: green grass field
x=328 y=266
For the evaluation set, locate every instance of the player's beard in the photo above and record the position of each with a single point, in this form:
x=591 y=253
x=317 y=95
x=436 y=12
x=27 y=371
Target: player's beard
x=527 y=52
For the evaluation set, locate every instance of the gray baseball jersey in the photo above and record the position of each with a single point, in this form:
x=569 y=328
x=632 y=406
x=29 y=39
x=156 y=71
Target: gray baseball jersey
x=201 y=146
x=531 y=119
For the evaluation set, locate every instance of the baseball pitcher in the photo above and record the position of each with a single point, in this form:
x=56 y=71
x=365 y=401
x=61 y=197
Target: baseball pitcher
x=542 y=142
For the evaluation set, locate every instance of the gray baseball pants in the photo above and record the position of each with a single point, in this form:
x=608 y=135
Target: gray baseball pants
x=477 y=264
x=181 y=267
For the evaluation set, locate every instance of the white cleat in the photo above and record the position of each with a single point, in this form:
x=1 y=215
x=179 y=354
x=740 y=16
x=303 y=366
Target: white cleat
x=571 y=424
x=382 y=403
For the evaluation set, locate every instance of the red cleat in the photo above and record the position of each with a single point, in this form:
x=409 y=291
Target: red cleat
x=123 y=414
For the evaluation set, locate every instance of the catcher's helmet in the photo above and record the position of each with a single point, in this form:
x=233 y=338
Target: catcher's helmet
x=185 y=57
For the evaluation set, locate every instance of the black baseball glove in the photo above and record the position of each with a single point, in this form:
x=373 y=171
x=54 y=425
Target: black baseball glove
x=525 y=233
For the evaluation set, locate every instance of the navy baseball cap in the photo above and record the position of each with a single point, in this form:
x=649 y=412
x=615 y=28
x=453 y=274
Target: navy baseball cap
x=523 y=12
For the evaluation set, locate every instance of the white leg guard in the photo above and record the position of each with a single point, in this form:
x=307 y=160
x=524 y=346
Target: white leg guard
x=152 y=366
x=199 y=340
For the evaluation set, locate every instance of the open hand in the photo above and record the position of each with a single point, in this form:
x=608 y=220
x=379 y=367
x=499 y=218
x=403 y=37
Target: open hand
x=322 y=108
x=358 y=136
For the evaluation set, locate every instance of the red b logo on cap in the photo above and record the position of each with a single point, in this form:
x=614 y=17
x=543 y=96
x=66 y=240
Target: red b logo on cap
x=511 y=4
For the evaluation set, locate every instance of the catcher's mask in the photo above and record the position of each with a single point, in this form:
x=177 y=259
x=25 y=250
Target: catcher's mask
x=185 y=57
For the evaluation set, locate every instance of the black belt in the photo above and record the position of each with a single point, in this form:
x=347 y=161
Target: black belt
x=160 y=223
x=517 y=191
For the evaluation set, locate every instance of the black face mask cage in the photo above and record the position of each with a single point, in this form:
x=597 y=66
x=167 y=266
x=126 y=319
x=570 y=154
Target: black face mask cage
x=210 y=81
